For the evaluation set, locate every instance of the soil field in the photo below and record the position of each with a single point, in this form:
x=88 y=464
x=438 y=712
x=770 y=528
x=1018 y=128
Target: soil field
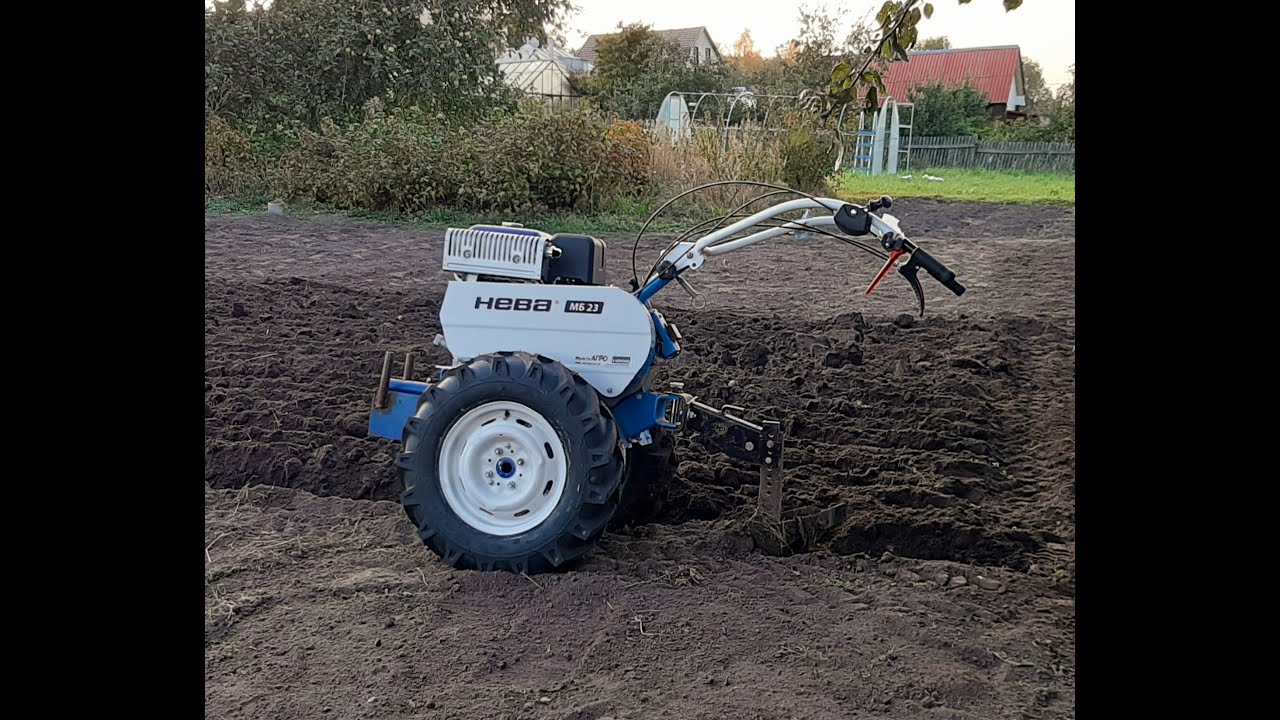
x=946 y=592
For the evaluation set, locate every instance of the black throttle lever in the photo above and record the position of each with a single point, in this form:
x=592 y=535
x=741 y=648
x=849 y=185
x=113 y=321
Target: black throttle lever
x=897 y=245
x=939 y=271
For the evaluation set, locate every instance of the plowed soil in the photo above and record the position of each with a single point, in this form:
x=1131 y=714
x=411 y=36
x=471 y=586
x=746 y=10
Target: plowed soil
x=947 y=591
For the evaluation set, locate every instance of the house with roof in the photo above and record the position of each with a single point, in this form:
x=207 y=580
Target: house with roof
x=994 y=71
x=695 y=41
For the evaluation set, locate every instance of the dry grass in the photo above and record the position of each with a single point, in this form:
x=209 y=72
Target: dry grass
x=750 y=153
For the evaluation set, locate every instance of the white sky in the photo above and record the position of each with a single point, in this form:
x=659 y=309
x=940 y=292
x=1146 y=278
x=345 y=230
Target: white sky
x=1044 y=29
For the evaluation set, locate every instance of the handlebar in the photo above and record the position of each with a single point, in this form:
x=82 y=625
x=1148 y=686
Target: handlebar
x=939 y=271
x=850 y=219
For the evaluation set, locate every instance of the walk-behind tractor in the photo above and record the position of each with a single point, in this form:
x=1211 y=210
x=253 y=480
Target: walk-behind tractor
x=520 y=452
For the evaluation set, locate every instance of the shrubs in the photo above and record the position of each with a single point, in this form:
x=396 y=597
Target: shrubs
x=383 y=163
x=231 y=166
x=808 y=152
x=410 y=162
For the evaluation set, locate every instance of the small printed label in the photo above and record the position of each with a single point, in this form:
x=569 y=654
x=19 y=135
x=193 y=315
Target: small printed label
x=584 y=306
x=621 y=360
x=591 y=359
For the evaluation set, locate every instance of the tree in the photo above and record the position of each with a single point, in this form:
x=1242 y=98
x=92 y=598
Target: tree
x=943 y=111
x=788 y=50
x=804 y=62
x=1039 y=99
x=821 y=44
x=298 y=61
x=1063 y=119
x=745 y=56
x=934 y=43
x=636 y=68
x=1067 y=93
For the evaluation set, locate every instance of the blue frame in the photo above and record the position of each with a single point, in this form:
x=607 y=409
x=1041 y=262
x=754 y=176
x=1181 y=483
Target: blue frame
x=651 y=289
x=644 y=411
x=641 y=413
x=389 y=422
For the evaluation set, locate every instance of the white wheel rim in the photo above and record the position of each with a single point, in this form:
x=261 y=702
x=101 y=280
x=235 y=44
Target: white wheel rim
x=502 y=468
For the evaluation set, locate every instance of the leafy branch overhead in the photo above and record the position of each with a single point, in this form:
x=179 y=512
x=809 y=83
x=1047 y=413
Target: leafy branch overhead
x=898 y=20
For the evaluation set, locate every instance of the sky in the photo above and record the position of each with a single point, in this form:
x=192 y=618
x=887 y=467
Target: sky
x=1044 y=29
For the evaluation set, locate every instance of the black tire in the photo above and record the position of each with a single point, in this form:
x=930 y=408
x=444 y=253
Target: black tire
x=647 y=478
x=585 y=427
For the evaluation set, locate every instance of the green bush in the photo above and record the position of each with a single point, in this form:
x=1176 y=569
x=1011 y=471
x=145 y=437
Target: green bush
x=943 y=111
x=233 y=167
x=808 y=154
x=384 y=163
x=409 y=162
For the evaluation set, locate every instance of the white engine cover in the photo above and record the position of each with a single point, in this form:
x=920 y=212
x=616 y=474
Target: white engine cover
x=488 y=250
x=603 y=333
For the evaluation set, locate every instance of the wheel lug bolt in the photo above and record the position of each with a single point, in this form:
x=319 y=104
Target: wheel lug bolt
x=488 y=474
x=520 y=461
x=512 y=485
x=497 y=451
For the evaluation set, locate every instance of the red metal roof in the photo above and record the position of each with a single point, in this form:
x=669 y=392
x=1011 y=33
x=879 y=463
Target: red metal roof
x=990 y=69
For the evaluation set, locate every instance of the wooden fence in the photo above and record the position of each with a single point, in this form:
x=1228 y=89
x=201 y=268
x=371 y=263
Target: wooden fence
x=969 y=152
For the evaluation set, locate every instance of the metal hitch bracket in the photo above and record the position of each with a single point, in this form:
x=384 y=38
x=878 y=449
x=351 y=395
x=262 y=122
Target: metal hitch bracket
x=394 y=400
x=382 y=397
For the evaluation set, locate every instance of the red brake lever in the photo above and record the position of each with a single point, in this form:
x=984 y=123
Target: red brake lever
x=893 y=258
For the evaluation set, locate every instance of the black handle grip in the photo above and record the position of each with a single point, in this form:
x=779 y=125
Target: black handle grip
x=937 y=270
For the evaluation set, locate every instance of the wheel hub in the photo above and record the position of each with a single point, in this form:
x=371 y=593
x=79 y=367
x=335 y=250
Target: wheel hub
x=506 y=467
x=502 y=468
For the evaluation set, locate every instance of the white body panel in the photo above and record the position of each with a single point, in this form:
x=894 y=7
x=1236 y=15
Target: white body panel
x=603 y=333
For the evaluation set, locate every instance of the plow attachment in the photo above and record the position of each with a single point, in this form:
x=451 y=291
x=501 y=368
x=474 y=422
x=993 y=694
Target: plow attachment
x=725 y=430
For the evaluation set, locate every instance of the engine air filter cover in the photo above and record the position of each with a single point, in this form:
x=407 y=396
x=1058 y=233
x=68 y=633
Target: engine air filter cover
x=499 y=251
